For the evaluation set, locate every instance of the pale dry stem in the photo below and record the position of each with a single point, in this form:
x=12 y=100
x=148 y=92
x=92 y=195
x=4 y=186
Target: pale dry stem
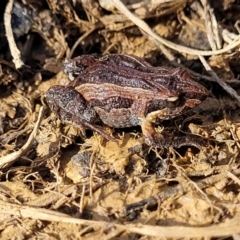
x=211 y=26
x=179 y=48
x=9 y=34
x=225 y=86
x=225 y=229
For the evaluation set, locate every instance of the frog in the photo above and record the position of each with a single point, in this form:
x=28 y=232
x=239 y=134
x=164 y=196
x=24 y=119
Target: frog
x=123 y=91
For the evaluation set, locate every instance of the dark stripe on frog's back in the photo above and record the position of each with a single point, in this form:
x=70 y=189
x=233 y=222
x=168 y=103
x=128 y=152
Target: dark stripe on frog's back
x=102 y=73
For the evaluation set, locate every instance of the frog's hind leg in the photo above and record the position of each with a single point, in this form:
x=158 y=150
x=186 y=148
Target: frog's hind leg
x=157 y=139
x=152 y=137
x=150 y=134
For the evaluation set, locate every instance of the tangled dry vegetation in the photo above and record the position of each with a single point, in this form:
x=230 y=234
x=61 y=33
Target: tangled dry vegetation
x=55 y=185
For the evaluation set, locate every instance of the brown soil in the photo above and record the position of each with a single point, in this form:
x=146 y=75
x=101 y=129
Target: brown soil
x=57 y=185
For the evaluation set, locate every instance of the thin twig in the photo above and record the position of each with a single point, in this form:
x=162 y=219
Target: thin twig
x=80 y=40
x=81 y=205
x=9 y=34
x=217 y=230
x=8 y=160
x=233 y=177
x=226 y=87
x=144 y=27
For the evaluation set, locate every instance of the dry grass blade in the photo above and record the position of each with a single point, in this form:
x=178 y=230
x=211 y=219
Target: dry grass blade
x=211 y=26
x=144 y=27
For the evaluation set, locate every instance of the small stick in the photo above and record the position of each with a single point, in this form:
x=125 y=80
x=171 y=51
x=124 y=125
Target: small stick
x=9 y=34
x=80 y=40
x=226 y=87
x=8 y=160
x=226 y=229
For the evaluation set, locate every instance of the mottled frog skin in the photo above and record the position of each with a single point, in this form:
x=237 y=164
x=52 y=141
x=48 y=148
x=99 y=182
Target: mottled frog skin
x=123 y=91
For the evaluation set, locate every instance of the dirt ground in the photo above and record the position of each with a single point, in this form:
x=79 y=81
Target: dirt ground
x=57 y=185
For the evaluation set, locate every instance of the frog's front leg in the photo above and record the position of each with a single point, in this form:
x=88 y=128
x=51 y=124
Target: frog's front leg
x=71 y=107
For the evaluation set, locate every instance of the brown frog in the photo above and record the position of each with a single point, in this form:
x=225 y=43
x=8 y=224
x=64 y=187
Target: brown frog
x=123 y=91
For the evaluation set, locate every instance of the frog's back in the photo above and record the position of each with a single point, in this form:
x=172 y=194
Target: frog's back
x=101 y=73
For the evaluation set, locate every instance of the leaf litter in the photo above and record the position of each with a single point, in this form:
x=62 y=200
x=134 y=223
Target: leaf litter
x=54 y=184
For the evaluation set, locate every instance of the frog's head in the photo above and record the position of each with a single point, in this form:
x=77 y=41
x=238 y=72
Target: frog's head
x=73 y=67
x=192 y=92
x=60 y=97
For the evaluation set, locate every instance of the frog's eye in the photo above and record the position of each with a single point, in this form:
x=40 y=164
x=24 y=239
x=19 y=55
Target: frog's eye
x=172 y=99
